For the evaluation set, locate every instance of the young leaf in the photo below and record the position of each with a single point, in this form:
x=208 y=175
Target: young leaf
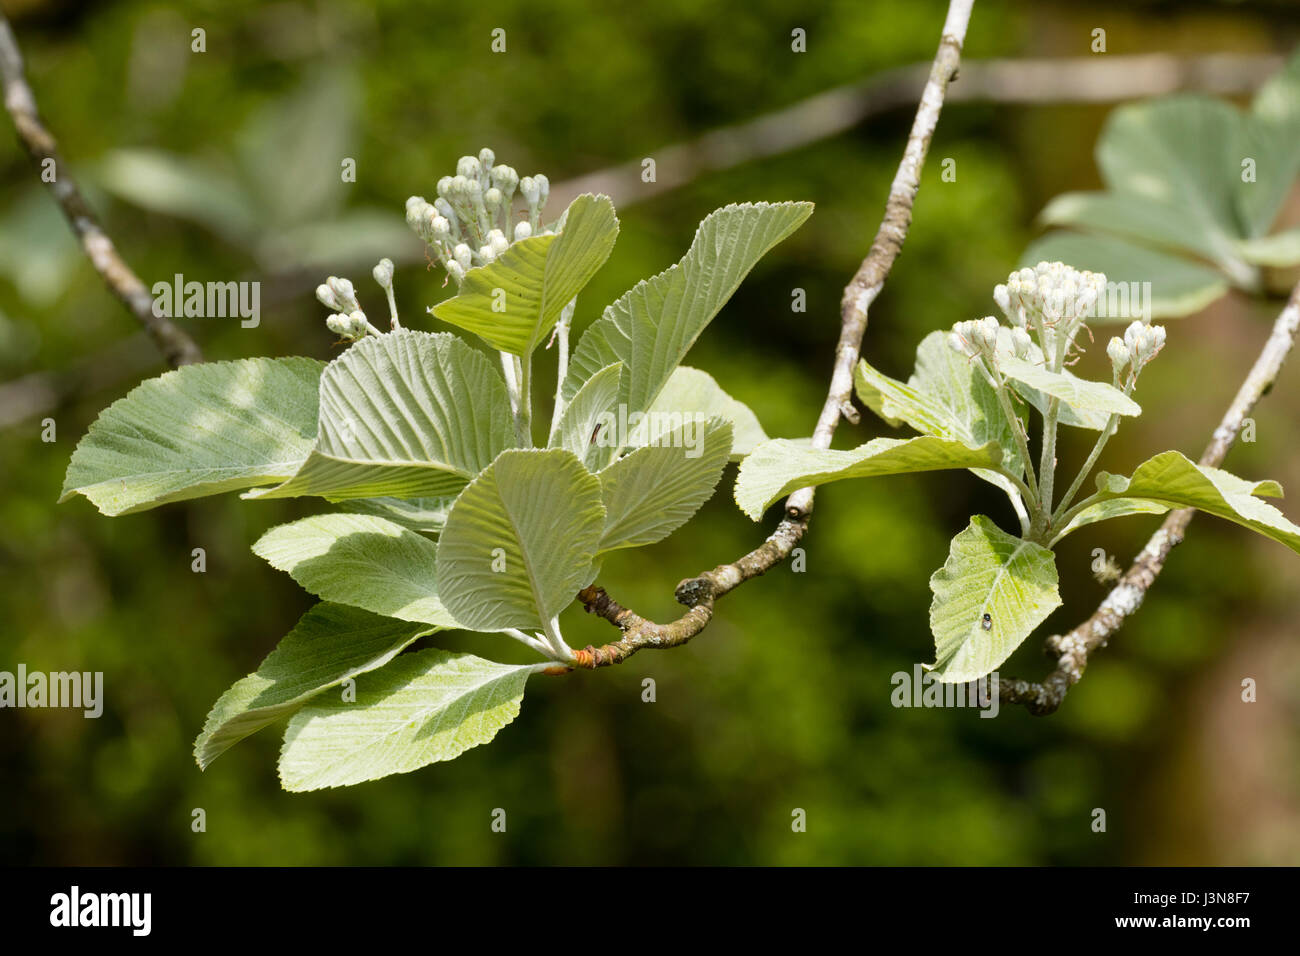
x=330 y=644
x=988 y=572
x=1078 y=393
x=587 y=412
x=405 y=414
x=361 y=560
x=200 y=430
x=513 y=302
x=654 y=490
x=690 y=391
x=520 y=541
x=946 y=397
x=1112 y=508
x=780 y=466
x=1171 y=478
x=422 y=708
x=653 y=325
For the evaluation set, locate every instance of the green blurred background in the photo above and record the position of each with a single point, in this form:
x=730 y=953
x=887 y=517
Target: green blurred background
x=784 y=701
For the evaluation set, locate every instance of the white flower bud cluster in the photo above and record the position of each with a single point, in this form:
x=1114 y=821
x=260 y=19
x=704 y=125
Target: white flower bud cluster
x=975 y=337
x=338 y=294
x=350 y=327
x=1144 y=341
x=471 y=223
x=348 y=321
x=1052 y=299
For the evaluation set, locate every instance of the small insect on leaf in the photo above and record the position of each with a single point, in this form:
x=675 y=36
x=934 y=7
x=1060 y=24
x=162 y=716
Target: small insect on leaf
x=987 y=621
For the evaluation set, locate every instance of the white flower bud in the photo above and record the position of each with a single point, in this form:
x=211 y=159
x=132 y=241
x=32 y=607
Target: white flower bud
x=528 y=186
x=543 y=187
x=456 y=271
x=1119 y=355
x=492 y=198
x=1003 y=299
x=486 y=254
x=468 y=168
x=325 y=295
x=498 y=242
x=440 y=227
x=463 y=255
x=505 y=179
x=340 y=325
x=444 y=186
x=383 y=273
x=486 y=158
x=344 y=294
x=359 y=322
x=522 y=231
x=445 y=210
x=1021 y=343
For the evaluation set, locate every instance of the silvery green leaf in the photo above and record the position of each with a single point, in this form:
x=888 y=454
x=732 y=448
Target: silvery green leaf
x=361 y=560
x=200 y=430
x=1280 y=250
x=422 y=708
x=946 y=397
x=779 y=466
x=426 y=515
x=1271 y=137
x=1171 y=478
x=988 y=572
x=407 y=415
x=1136 y=217
x=690 y=391
x=1180 y=151
x=513 y=302
x=520 y=541
x=1111 y=508
x=651 y=327
x=1078 y=393
x=655 y=489
x=584 y=427
x=330 y=644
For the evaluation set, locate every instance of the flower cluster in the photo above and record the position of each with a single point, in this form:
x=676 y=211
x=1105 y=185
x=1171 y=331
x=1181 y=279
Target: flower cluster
x=1053 y=301
x=1139 y=346
x=471 y=223
x=348 y=321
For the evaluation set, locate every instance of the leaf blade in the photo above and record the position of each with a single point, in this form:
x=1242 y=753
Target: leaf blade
x=538 y=276
x=423 y=708
x=199 y=430
x=360 y=560
x=330 y=644
x=988 y=572
x=538 y=515
x=780 y=466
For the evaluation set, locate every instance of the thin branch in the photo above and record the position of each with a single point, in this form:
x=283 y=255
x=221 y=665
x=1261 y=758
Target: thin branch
x=177 y=347
x=1073 y=649
x=699 y=593
x=1091 y=79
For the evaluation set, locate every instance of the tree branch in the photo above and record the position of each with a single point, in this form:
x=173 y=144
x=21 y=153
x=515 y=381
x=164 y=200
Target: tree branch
x=1072 y=650
x=699 y=593
x=177 y=347
x=1050 y=80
